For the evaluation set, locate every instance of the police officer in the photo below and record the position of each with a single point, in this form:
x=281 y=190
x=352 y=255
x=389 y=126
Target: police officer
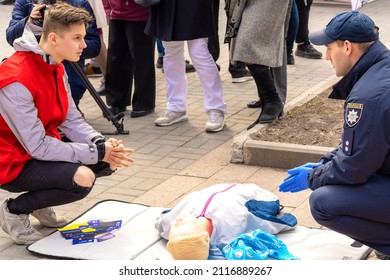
x=351 y=185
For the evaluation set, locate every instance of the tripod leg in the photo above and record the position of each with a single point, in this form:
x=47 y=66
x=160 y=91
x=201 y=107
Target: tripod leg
x=117 y=120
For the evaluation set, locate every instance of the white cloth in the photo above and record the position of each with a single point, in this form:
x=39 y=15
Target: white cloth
x=100 y=14
x=176 y=80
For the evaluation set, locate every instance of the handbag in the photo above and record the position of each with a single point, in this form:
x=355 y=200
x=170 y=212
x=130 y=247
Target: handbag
x=147 y=3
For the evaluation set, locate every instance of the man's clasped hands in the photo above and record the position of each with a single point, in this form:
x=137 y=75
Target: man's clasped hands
x=117 y=154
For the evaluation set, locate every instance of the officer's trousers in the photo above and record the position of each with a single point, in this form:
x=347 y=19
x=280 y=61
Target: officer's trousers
x=361 y=211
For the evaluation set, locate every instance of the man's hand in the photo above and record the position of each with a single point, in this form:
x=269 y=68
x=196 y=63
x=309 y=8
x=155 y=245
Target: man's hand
x=116 y=154
x=298 y=179
x=36 y=13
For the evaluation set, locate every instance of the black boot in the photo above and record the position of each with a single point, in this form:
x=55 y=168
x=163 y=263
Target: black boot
x=272 y=105
x=271 y=111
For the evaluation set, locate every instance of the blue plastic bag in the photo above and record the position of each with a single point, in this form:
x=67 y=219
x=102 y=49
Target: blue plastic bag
x=257 y=245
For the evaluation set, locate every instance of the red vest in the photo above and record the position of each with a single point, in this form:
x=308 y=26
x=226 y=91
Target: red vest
x=46 y=85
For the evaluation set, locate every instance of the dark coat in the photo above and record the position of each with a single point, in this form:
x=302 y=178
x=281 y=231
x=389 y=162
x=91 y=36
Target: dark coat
x=181 y=20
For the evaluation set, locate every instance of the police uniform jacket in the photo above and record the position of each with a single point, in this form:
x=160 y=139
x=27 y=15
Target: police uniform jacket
x=365 y=147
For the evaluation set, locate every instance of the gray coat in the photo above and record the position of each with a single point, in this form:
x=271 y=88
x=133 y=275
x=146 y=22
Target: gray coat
x=261 y=35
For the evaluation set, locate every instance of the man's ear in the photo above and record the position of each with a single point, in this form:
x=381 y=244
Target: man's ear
x=348 y=47
x=52 y=38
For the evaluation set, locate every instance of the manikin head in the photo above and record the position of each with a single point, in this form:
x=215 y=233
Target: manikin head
x=189 y=238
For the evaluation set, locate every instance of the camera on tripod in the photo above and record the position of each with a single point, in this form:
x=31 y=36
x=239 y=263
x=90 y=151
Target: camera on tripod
x=48 y=3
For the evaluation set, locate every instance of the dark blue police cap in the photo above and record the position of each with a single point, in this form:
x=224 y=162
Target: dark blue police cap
x=352 y=26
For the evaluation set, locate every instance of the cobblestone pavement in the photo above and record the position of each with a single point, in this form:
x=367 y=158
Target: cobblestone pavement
x=172 y=161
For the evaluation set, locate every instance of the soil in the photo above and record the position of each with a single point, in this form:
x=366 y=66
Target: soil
x=317 y=122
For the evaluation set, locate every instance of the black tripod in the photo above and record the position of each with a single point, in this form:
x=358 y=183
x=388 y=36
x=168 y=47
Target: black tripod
x=116 y=120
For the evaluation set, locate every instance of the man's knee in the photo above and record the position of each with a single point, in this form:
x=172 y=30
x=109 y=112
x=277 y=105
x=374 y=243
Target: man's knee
x=320 y=204
x=84 y=177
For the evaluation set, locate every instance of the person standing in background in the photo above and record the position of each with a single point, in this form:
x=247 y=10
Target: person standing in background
x=101 y=22
x=160 y=60
x=292 y=32
x=130 y=57
x=176 y=22
x=257 y=32
x=304 y=47
x=238 y=70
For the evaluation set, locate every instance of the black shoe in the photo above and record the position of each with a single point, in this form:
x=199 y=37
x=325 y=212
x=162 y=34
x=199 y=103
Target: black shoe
x=382 y=256
x=189 y=67
x=159 y=62
x=308 y=51
x=254 y=104
x=115 y=110
x=140 y=113
x=290 y=58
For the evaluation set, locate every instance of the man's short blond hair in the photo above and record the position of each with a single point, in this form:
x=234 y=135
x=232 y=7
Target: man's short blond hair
x=190 y=247
x=61 y=15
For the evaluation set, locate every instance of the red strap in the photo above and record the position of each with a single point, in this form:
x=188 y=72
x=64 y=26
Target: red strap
x=202 y=214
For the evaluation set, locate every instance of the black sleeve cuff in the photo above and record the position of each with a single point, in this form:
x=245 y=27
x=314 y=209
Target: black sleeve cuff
x=101 y=149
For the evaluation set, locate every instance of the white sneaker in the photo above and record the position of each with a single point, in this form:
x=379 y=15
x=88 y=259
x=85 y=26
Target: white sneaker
x=48 y=218
x=18 y=226
x=216 y=121
x=171 y=117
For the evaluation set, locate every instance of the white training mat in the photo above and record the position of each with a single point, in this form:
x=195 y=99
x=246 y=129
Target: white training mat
x=138 y=239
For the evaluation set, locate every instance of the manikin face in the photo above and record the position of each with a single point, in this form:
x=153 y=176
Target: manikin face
x=186 y=225
x=68 y=45
x=338 y=54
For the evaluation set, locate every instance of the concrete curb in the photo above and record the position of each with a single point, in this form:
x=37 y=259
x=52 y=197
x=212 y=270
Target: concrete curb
x=277 y=155
x=281 y=155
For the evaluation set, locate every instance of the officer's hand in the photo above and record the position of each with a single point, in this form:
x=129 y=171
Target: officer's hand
x=297 y=180
x=308 y=165
x=295 y=170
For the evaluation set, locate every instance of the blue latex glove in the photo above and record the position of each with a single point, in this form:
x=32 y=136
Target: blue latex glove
x=312 y=164
x=296 y=170
x=298 y=179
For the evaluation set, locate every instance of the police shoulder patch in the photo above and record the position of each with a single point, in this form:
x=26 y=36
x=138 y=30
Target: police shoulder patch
x=353 y=113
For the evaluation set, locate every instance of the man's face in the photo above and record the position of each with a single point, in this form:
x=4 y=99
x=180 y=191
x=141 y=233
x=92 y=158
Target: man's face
x=69 y=45
x=337 y=52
